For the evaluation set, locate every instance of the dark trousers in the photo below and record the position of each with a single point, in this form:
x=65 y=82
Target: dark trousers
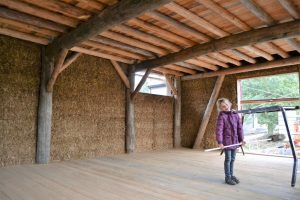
x=229 y=162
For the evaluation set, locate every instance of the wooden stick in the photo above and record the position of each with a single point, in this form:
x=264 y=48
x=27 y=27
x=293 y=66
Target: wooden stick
x=280 y=31
x=277 y=49
x=57 y=68
x=213 y=61
x=191 y=66
x=202 y=64
x=208 y=111
x=69 y=60
x=121 y=73
x=181 y=69
x=260 y=101
x=267 y=65
x=224 y=58
x=219 y=148
x=168 y=71
x=108 y=18
x=141 y=83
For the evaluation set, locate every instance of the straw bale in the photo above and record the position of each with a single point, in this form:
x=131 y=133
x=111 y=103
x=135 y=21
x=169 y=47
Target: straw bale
x=153 y=122
x=19 y=89
x=88 y=111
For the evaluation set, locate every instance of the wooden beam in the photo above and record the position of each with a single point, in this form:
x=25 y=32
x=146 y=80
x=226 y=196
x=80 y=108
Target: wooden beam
x=39 y=12
x=130 y=141
x=289 y=6
x=202 y=64
x=44 y=111
x=208 y=59
x=23 y=36
x=29 y=19
x=162 y=32
x=225 y=13
x=57 y=68
x=208 y=111
x=108 y=18
x=170 y=83
x=243 y=56
x=147 y=37
x=69 y=60
x=141 y=83
x=277 y=49
x=191 y=66
x=196 y=19
x=121 y=73
x=123 y=46
x=259 y=52
x=258 y=12
x=172 y=23
x=280 y=31
x=135 y=42
x=293 y=43
x=261 y=66
x=101 y=55
x=260 y=101
x=224 y=58
x=177 y=114
x=168 y=71
x=181 y=69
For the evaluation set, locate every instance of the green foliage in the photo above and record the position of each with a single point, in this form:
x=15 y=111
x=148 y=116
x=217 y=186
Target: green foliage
x=270 y=87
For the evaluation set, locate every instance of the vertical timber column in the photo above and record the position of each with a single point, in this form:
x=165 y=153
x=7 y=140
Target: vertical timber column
x=177 y=114
x=130 y=129
x=44 y=111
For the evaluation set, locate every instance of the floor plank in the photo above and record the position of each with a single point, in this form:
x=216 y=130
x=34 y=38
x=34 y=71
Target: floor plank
x=165 y=175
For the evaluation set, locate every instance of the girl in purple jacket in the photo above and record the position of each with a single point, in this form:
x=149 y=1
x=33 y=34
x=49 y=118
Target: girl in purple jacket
x=229 y=131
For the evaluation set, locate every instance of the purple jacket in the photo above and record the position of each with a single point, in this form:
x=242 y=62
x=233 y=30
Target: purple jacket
x=229 y=129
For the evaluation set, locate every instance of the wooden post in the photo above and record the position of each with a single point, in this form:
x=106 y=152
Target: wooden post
x=44 y=111
x=177 y=114
x=170 y=84
x=130 y=129
x=208 y=111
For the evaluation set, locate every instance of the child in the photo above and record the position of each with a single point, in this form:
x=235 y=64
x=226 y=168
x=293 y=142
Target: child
x=229 y=131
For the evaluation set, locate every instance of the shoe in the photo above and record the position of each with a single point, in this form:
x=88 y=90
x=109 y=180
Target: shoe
x=229 y=181
x=235 y=179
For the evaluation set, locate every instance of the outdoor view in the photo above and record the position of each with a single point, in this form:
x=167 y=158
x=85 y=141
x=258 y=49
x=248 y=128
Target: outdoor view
x=155 y=84
x=254 y=93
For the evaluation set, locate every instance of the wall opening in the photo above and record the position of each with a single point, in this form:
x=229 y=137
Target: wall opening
x=155 y=84
x=282 y=90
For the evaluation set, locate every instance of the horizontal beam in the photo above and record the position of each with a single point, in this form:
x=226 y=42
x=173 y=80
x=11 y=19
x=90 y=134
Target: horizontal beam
x=260 y=101
x=280 y=31
x=267 y=65
x=108 y=18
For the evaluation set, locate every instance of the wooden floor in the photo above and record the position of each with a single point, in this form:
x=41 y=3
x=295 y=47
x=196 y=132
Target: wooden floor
x=175 y=174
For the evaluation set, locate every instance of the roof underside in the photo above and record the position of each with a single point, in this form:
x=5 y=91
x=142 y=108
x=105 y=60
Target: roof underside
x=171 y=28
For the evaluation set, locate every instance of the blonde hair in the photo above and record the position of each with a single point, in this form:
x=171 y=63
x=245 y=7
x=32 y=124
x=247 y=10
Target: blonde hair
x=223 y=100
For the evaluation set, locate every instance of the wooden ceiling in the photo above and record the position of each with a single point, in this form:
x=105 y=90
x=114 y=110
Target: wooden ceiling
x=172 y=28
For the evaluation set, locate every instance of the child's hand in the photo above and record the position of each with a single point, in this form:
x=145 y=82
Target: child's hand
x=221 y=146
x=243 y=143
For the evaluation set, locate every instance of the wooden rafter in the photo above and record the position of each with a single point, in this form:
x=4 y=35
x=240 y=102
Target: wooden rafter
x=280 y=31
x=290 y=7
x=292 y=42
x=121 y=73
x=208 y=111
x=112 y=16
x=261 y=66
